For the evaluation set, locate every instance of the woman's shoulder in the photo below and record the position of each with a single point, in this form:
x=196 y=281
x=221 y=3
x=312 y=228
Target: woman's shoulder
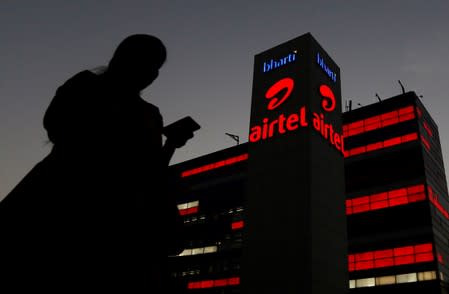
x=81 y=78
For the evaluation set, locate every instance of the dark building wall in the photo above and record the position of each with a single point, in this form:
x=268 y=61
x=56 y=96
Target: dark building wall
x=295 y=212
x=389 y=160
x=217 y=183
x=437 y=191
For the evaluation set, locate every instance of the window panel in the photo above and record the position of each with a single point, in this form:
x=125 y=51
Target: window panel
x=383 y=253
x=386 y=262
x=390 y=280
x=379 y=205
x=196 y=251
x=186 y=252
x=368 y=282
x=221 y=282
x=379 y=121
x=400 y=260
x=385 y=199
x=386 y=280
x=405 y=117
x=391 y=257
x=389 y=122
x=406 y=278
x=427 y=276
x=213 y=283
x=405 y=110
x=403 y=251
x=426 y=248
x=422 y=257
x=237 y=225
x=381 y=145
x=210 y=249
x=351 y=284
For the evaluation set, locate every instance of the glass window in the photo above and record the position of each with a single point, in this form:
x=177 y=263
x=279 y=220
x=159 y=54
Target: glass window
x=406 y=278
x=193 y=204
x=196 y=251
x=210 y=249
x=351 y=284
x=368 y=282
x=186 y=252
x=182 y=206
x=427 y=276
x=386 y=280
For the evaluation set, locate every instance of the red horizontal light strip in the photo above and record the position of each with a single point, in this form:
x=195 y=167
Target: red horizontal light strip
x=433 y=198
x=379 y=121
x=425 y=142
x=382 y=144
x=187 y=211
x=419 y=112
x=205 y=284
x=237 y=225
x=387 y=199
x=428 y=129
x=214 y=165
x=391 y=257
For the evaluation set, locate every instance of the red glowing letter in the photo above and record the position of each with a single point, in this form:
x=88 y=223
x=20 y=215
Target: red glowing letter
x=256 y=134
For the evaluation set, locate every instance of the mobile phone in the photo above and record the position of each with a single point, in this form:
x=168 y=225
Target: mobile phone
x=184 y=125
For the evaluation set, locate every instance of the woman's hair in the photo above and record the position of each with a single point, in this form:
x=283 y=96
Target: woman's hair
x=138 y=48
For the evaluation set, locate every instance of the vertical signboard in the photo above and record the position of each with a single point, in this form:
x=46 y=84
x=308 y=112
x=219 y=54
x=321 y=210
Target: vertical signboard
x=295 y=232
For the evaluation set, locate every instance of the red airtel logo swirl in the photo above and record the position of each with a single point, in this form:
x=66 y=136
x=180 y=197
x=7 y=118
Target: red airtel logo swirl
x=329 y=103
x=284 y=84
x=287 y=84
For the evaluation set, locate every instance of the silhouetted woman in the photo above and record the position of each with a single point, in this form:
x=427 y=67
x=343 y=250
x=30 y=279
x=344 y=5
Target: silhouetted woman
x=95 y=214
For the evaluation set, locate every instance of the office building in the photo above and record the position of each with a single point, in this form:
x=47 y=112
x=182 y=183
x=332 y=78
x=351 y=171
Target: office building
x=318 y=201
x=396 y=206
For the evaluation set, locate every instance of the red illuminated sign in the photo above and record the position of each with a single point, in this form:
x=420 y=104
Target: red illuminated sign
x=285 y=123
x=280 y=125
x=329 y=103
x=294 y=141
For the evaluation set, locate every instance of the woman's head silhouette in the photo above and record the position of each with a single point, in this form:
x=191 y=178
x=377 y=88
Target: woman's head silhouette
x=137 y=60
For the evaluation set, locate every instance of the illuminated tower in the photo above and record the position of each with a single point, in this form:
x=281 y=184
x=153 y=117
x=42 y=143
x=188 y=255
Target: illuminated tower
x=294 y=211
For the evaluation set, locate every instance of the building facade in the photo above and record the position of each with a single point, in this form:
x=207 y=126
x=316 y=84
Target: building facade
x=396 y=198
x=397 y=207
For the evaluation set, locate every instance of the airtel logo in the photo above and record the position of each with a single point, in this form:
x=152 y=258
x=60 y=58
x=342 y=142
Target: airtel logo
x=279 y=86
x=329 y=103
x=301 y=118
x=286 y=85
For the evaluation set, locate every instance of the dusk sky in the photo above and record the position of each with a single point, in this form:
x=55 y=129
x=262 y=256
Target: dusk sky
x=211 y=47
